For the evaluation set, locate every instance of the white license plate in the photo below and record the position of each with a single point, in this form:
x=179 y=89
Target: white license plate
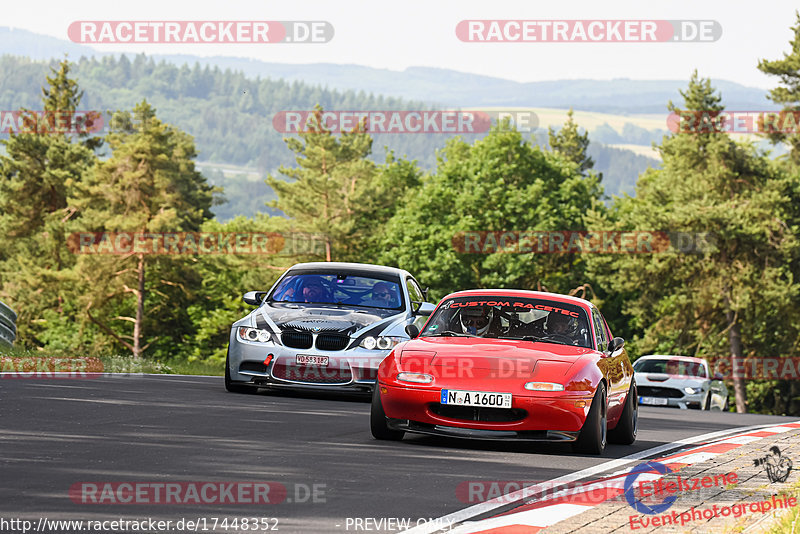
x=307 y=359
x=476 y=398
x=653 y=401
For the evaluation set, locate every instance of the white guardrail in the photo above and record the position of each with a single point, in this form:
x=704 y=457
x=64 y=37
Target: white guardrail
x=8 y=325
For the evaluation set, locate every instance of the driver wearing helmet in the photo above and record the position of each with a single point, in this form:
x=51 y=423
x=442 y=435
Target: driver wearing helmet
x=311 y=289
x=476 y=321
x=561 y=326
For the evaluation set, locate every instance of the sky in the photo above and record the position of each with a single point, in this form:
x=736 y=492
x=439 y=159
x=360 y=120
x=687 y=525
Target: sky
x=402 y=34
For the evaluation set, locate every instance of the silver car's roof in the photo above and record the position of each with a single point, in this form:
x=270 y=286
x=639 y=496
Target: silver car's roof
x=338 y=266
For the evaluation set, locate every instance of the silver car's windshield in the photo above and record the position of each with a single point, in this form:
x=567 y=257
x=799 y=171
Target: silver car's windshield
x=339 y=288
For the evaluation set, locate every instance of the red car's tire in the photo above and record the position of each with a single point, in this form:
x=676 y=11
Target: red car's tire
x=377 y=420
x=625 y=432
x=593 y=436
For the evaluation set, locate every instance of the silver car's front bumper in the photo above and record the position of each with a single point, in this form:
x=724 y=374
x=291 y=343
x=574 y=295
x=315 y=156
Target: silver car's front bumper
x=687 y=400
x=350 y=369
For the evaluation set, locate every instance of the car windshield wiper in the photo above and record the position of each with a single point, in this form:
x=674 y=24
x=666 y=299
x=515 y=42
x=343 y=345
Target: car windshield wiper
x=449 y=333
x=524 y=338
x=539 y=339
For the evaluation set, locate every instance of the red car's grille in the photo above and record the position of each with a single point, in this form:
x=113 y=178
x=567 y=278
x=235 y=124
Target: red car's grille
x=485 y=415
x=311 y=374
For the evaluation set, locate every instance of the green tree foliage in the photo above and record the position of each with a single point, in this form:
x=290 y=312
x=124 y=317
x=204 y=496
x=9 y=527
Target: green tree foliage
x=571 y=144
x=787 y=70
x=149 y=185
x=322 y=195
x=40 y=169
x=336 y=192
x=499 y=183
x=731 y=298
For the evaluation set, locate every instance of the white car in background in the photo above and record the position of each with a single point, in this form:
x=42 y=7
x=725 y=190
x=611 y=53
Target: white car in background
x=682 y=381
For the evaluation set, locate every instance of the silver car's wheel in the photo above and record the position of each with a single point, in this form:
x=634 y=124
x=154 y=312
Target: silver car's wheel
x=232 y=386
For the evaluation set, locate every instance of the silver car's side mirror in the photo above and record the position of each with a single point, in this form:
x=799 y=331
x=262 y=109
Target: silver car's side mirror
x=254 y=298
x=424 y=308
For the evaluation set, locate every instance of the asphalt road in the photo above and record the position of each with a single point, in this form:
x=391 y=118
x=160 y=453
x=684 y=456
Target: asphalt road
x=56 y=433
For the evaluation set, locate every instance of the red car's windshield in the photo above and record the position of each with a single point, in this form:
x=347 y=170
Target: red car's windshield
x=505 y=317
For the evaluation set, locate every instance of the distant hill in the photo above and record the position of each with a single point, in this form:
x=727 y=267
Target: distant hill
x=441 y=87
x=230 y=116
x=227 y=104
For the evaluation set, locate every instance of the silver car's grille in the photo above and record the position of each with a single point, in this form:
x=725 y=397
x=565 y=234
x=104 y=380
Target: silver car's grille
x=286 y=370
x=332 y=342
x=297 y=340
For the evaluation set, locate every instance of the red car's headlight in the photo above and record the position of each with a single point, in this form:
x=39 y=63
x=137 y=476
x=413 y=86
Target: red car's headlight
x=417 y=378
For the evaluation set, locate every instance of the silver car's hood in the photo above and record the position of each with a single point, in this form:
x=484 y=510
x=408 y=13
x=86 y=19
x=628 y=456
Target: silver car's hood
x=315 y=318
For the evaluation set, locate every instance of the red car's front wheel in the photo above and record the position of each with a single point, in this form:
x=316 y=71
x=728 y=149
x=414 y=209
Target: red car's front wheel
x=592 y=439
x=377 y=420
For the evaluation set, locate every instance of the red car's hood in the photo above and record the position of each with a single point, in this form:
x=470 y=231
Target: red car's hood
x=486 y=353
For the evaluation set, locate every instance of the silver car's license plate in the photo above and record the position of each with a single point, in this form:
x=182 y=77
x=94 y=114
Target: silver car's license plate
x=653 y=401
x=308 y=359
x=476 y=398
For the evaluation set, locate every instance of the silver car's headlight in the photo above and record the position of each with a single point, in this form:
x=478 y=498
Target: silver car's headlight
x=380 y=343
x=254 y=335
x=692 y=391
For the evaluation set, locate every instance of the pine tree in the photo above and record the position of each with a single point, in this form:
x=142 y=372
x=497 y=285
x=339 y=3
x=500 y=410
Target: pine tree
x=332 y=171
x=37 y=174
x=149 y=185
x=788 y=71
x=571 y=144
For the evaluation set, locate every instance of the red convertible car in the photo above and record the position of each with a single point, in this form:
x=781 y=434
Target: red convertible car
x=509 y=364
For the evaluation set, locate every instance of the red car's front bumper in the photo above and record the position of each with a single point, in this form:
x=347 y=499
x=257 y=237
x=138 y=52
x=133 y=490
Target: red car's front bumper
x=537 y=416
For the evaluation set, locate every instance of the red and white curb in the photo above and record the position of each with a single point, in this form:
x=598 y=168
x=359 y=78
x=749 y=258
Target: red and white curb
x=531 y=517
